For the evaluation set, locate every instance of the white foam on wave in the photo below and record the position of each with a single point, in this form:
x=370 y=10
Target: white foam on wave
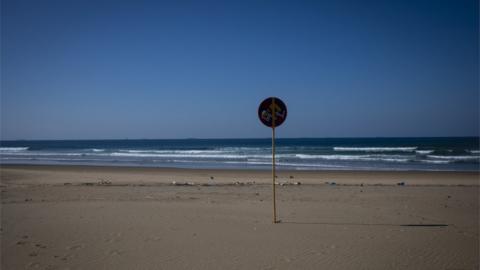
x=142 y=151
x=52 y=158
x=424 y=152
x=32 y=153
x=171 y=151
x=436 y=161
x=376 y=149
x=285 y=164
x=356 y=157
x=474 y=151
x=98 y=150
x=245 y=148
x=454 y=157
x=168 y=155
x=13 y=149
x=189 y=152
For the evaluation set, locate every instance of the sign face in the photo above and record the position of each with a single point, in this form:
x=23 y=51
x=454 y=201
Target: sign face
x=272 y=112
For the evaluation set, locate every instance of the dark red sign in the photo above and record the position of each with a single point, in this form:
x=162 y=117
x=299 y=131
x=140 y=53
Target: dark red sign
x=272 y=112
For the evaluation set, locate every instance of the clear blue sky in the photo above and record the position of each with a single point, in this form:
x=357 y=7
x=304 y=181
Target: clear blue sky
x=90 y=69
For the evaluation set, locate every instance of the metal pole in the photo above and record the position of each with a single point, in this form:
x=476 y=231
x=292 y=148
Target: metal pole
x=273 y=162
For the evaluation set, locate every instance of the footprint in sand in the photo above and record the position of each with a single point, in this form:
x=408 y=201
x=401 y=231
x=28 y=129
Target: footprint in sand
x=152 y=239
x=115 y=252
x=75 y=247
x=113 y=237
x=109 y=240
x=33 y=265
x=66 y=257
x=40 y=246
x=33 y=254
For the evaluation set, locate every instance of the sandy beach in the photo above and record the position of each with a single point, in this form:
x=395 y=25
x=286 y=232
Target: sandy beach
x=86 y=217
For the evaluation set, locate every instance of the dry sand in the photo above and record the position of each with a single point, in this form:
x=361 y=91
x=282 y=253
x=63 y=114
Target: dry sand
x=80 y=217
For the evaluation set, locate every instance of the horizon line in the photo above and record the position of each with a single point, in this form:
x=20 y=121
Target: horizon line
x=249 y=138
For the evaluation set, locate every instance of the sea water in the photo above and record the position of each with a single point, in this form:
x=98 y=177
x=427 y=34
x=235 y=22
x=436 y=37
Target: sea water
x=439 y=154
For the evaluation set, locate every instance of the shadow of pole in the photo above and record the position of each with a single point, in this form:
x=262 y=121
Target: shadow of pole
x=363 y=224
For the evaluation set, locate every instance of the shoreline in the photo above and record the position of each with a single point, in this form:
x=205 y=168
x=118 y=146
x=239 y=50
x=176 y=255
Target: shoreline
x=48 y=174
x=234 y=169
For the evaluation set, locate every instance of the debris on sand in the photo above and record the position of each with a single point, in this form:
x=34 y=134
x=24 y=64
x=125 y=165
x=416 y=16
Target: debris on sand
x=104 y=182
x=238 y=183
x=288 y=183
x=206 y=184
x=175 y=183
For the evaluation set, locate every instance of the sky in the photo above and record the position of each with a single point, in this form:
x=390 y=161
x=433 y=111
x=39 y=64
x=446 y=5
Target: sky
x=112 y=69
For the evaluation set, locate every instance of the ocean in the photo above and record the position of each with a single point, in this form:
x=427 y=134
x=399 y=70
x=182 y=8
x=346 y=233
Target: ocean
x=420 y=154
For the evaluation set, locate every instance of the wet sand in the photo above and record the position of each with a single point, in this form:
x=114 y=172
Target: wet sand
x=85 y=217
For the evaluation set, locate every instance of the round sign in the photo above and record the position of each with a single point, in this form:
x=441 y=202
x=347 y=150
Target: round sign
x=272 y=112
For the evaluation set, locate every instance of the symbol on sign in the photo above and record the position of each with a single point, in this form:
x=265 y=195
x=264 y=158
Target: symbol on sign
x=272 y=112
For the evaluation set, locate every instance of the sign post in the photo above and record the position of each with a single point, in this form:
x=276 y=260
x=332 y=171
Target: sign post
x=272 y=113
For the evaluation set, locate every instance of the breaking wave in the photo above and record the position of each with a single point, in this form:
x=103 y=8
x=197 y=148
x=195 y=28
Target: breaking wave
x=436 y=161
x=376 y=149
x=454 y=157
x=13 y=149
x=356 y=157
x=173 y=155
x=173 y=151
x=424 y=152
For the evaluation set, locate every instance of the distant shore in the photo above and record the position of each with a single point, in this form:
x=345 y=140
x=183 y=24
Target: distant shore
x=93 y=217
